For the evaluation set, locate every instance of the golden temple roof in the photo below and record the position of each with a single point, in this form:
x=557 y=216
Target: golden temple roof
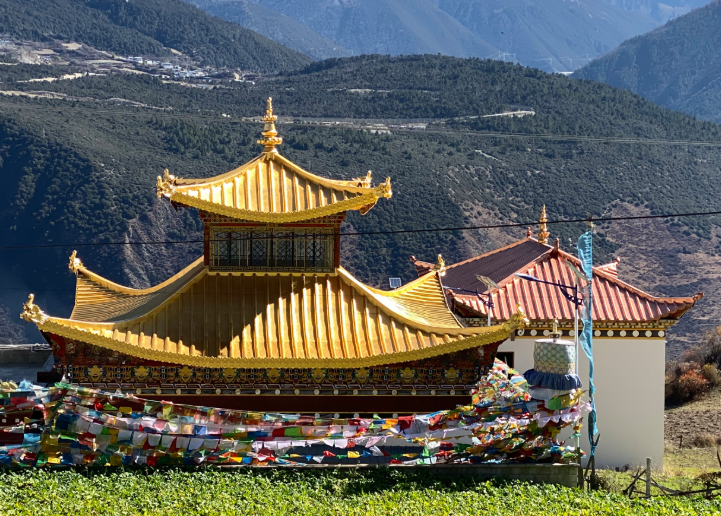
x=206 y=318
x=271 y=188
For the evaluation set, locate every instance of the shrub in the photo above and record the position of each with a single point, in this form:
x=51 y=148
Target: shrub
x=691 y=385
x=712 y=374
x=707 y=353
x=705 y=440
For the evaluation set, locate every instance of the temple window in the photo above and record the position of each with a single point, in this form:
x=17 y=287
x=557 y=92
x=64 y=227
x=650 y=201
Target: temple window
x=273 y=248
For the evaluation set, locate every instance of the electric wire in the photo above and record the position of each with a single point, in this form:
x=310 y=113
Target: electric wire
x=589 y=219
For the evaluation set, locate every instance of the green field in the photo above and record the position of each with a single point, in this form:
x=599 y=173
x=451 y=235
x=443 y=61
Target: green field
x=314 y=493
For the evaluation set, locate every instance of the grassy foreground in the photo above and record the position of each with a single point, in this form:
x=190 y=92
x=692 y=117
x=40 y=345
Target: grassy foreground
x=251 y=492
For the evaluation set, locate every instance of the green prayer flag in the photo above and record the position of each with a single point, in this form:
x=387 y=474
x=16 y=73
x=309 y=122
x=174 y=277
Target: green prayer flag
x=293 y=431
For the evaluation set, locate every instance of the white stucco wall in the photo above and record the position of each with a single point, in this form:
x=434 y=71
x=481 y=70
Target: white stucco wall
x=629 y=379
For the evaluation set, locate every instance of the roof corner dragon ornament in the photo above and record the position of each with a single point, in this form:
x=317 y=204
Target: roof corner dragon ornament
x=75 y=263
x=31 y=312
x=166 y=184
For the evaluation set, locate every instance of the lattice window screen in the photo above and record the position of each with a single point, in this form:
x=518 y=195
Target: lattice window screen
x=273 y=249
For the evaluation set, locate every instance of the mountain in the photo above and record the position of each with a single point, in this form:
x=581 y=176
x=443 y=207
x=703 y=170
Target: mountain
x=146 y=27
x=274 y=25
x=554 y=35
x=677 y=66
x=659 y=11
x=81 y=170
x=392 y=27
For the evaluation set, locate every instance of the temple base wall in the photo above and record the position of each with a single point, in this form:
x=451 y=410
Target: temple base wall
x=629 y=379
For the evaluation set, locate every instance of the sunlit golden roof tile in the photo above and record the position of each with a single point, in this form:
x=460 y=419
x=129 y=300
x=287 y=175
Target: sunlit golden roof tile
x=268 y=319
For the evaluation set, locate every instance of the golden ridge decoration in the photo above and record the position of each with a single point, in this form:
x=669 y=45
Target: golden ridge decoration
x=166 y=185
x=387 y=190
x=518 y=321
x=352 y=203
x=364 y=182
x=75 y=263
x=32 y=313
x=440 y=265
x=542 y=228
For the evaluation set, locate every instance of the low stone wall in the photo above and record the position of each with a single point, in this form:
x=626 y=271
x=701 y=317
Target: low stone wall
x=561 y=474
x=24 y=354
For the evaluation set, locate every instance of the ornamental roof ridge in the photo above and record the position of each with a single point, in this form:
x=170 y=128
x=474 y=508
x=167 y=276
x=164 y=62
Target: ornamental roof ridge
x=496 y=251
x=279 y=320
x=271 y=188
x=615 y=300
x=99 y=299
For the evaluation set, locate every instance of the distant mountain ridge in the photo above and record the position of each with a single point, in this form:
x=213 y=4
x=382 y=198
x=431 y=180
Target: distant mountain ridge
x=561 y=31
x=677 y=66
x=660 y=11
x=554 y=35
x=146 y=27
x=274 y=25
x=385 y=26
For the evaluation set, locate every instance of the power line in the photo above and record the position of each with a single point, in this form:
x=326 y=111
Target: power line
x=392 y=232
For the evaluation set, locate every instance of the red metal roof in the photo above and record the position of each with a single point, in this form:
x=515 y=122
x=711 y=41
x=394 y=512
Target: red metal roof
x=614 y=300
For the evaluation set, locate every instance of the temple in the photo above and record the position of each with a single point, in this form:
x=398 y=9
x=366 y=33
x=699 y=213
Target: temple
x=268 y=319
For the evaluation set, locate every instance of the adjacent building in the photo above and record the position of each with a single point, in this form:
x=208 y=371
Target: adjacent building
x=630 y=328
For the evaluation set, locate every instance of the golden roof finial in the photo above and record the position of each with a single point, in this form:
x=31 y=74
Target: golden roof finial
x=75 y=262
x=166 y=184
x=542 y=229
x=440 y=266
x=31 y=312
x=555 y=334
x=270 y=135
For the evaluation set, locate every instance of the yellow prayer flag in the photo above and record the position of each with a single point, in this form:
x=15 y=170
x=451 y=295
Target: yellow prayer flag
x=352 y=455
x=410 y=455
x=126 y=410
x=53 y=460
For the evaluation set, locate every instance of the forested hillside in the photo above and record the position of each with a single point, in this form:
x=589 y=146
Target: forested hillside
x=677 y=66
x=84 y=171
x=148 y=28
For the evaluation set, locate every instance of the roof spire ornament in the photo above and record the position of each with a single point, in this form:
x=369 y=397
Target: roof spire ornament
x=75 y=263
x=440 y=266
x=270 y=134
x=542 y=229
